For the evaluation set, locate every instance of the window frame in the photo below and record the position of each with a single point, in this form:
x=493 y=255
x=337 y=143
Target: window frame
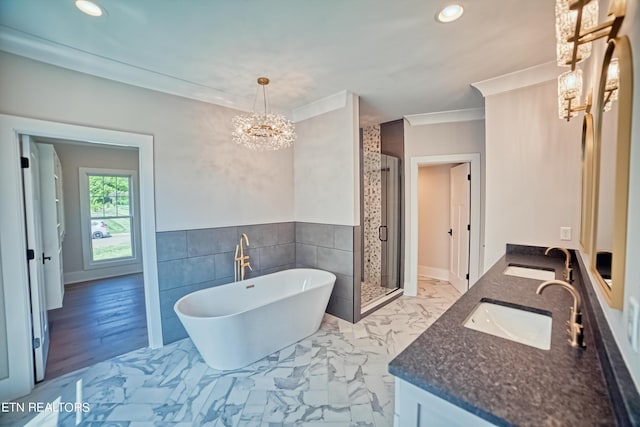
x=85 y=218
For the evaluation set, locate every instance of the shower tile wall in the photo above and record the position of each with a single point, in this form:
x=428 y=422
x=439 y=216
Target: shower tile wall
x=190 y=260
x=372 y=194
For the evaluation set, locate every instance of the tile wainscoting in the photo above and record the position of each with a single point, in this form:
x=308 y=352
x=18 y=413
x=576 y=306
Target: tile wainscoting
x=331 y=248
x=190 y=260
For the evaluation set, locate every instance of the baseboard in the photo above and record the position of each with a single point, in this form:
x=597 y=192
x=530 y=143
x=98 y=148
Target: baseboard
x=434 y=273
x=101 y=273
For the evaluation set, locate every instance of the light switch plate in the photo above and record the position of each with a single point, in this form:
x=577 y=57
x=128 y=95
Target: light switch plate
x=632 y=315
x=565 y=233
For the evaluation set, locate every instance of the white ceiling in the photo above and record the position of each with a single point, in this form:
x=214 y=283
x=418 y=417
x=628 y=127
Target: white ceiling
x=392 y=53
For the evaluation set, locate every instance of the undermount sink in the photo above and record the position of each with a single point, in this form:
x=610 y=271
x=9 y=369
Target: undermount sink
x=532 y=328
x=529 y=272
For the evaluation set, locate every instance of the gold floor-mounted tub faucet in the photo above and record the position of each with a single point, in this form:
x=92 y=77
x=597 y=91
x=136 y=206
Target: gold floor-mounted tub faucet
x=241 y=261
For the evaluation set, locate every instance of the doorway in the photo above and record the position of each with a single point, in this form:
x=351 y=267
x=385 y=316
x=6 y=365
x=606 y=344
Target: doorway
x=91 y=227
x=412 y=234
x=444 y=200
x=21 y=379
x=86 y=280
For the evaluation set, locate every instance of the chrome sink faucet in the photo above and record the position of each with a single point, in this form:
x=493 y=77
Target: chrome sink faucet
x=241 y=261
x=568 y=271
x=575 y=323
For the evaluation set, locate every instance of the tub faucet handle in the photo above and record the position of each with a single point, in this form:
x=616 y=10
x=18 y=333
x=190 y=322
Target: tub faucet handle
x=243 y=265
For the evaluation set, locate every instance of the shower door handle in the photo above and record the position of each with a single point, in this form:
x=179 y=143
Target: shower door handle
x=380 y=229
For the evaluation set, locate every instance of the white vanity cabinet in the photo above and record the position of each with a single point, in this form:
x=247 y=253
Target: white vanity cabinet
x=415 y=407
x=53 y=227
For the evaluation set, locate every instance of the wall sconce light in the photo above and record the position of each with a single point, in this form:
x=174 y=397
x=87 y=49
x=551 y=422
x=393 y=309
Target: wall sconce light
x=567 y=20
x=569 y=94
x=576 y=27
x=608 y=28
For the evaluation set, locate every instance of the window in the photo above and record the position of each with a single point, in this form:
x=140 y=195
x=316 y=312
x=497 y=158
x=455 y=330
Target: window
x=109 y=224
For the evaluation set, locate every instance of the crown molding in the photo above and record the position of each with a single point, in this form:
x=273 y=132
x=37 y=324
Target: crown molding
x=321 y=106
x=39 y=49
x=466 y=115
x=518 y=79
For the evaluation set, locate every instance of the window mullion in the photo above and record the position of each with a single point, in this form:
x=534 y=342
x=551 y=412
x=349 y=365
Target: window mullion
x=112 y=217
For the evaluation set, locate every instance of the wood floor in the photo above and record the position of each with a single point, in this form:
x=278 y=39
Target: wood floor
x=98 y=320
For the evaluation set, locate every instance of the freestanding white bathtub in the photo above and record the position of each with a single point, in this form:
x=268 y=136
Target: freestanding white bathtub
x=236 y=324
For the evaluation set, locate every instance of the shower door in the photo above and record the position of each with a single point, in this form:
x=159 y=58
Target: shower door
x=381 y=227
x=389 y=231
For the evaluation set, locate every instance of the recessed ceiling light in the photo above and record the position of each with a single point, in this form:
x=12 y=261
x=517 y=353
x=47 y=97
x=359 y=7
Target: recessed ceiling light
x=450 y=13
x=89 y=7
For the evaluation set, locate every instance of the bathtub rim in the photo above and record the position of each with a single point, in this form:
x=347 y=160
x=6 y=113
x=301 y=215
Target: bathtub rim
x=181 y=313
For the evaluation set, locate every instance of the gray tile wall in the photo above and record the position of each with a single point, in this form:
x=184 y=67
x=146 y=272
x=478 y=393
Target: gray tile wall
x=331 y=248
x=191 y=260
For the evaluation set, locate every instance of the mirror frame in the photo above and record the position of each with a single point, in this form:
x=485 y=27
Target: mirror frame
x=588 y=136
x=614 y=295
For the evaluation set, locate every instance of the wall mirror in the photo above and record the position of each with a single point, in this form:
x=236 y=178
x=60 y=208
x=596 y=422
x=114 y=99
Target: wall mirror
x=587 y=181
x=611 y=170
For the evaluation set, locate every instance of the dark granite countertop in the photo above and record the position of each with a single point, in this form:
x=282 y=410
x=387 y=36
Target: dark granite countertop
x=502 y=381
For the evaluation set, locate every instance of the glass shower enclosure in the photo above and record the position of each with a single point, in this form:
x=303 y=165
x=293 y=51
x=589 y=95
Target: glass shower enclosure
x=381 y=228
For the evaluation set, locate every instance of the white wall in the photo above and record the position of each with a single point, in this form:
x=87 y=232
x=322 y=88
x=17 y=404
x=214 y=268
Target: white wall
x=440 y=139
x=72 y=157
x=327 y=167
x=434 y=220
x=533 y=171
x=202 y=178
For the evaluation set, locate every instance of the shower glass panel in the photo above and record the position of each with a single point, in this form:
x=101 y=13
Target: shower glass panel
x=381 y=242
x=390 y=221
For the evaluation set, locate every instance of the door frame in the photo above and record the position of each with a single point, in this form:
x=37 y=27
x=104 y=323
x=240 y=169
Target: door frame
x=13 y=245
x=411 y=286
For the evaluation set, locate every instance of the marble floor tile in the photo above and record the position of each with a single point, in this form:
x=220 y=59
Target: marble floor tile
x=336 y=377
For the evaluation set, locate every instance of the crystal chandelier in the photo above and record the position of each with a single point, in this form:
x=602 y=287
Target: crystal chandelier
x=263 y=131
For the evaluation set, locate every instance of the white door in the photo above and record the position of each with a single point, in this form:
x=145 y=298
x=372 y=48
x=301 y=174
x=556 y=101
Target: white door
x=40 y=322
x=460 y=223
x=51 y=203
